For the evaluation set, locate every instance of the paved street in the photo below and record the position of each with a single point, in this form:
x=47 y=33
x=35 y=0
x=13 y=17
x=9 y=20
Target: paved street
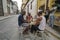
x=9 y=31
x=8 y=28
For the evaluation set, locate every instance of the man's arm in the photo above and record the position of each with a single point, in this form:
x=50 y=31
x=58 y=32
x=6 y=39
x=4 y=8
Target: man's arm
x=38 y=21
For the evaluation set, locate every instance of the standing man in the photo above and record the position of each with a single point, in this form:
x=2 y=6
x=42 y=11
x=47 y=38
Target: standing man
x=51 y=19
x=47 y=14
x=51 y=16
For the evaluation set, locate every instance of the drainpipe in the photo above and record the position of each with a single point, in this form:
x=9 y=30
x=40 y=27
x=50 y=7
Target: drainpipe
x=47 y=4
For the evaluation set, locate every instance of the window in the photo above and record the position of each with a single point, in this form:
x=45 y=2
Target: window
x=57 y=3
x=28 y=8
x=31 y=5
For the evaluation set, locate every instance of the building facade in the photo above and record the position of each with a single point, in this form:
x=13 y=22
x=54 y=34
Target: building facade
x=4 y=7
x=32 y=6
x=11 y=8
x=7 y=7
x=15 y=7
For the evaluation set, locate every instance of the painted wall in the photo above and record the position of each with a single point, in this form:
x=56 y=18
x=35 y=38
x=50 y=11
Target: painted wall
x=41 y=2
x=51 y=2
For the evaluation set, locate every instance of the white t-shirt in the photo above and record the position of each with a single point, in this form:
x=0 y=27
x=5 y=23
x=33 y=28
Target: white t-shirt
x=42 y=23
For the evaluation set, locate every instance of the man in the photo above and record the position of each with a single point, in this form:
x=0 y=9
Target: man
x=29 y=17
x=51 y=19
x=40 y=23
x=47 y=13
x=51 y=16
x=21 y=18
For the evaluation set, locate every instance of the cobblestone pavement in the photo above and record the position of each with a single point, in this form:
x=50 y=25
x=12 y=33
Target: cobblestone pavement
x=47 y=36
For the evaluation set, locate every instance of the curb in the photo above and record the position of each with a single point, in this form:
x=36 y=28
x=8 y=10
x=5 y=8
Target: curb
x=5 y=18
x=57 y=36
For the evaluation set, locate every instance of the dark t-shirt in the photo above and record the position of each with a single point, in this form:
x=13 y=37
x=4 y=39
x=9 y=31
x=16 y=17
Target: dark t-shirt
x=20 y=19
x=47 y=15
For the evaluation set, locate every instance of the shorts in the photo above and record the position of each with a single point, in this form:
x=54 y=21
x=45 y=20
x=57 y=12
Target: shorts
x=25 y=24
x=34 y=28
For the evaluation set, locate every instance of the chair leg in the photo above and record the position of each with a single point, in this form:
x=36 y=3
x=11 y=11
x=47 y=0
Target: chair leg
x=43 y=36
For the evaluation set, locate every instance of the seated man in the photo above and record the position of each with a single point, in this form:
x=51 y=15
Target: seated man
x=21 y=18
x=28 y=19
x=39 y=24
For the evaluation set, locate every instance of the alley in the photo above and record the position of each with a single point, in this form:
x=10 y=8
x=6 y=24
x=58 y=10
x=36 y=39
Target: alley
x=9 y=31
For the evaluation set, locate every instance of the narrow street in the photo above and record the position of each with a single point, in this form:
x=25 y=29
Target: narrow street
x=9 y=31
x=42 y=13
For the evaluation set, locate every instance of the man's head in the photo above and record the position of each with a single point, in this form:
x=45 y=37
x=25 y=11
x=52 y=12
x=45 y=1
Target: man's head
x=39 y=13
x=29 y=14
x=23 y=12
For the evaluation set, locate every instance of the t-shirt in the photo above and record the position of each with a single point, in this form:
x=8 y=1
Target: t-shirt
x=42 y=24
x=28 y=18
x=20 y=19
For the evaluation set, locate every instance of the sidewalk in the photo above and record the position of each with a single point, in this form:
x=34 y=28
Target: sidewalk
x=52 y=31
x=50 y=34
x=5 y=17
